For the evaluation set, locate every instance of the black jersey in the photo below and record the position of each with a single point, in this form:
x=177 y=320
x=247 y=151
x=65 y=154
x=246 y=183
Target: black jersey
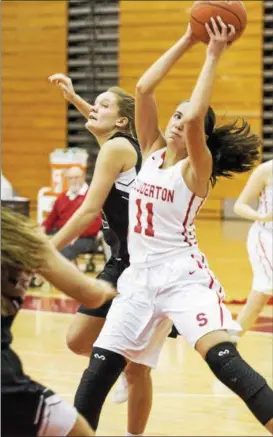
x=25 y=402
x=6 y=322
x=115 y=209
x=11 y=369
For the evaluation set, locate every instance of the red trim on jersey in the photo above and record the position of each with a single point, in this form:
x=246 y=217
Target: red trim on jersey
x=186 y=220
x=162 y=157
x=198 y=209
x=188 y=211
x=211 y=281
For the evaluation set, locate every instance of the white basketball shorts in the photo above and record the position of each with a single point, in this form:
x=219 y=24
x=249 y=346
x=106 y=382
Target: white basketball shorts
x=58 y=417
x=182 y=290
x=260 y=252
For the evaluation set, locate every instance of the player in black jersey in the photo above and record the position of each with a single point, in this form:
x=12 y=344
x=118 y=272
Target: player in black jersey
x=28 y=408
x=111 y=121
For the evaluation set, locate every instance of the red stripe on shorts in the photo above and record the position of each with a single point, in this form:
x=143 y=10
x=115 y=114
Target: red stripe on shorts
x=198 y=262
x=261 y=260
x=264 y=252
x=221 y=309
x=203 y=266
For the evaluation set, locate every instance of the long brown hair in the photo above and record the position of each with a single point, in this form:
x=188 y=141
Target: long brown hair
x=23 y=249
x=126 y=104
x=234 y=148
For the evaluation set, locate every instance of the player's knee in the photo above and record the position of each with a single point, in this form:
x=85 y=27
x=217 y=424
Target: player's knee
x=228 y=366
x=77 y=342
x=97 y=380
x=74 y=344
x=137 y=373
x=81 y=428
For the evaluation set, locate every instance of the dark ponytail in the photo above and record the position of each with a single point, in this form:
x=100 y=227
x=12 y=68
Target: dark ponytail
x=233 y=147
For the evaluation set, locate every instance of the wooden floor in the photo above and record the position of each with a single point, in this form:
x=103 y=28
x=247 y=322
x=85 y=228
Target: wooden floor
x=188 y=400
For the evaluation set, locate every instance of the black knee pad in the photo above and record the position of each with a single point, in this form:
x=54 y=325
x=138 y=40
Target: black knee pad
x=229 y=367
x=261 y=404
x=96 y=382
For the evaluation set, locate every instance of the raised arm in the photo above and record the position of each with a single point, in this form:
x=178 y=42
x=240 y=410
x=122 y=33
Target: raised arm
x=148 y=132
x=199 y=154
x=110 y=163
x=65 y=84
x=250 y=194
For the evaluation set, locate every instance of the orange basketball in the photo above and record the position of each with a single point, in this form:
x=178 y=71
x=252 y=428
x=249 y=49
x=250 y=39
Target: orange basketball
x=231 y=12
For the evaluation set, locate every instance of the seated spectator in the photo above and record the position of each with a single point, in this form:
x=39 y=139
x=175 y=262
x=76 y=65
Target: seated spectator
x=64 y=207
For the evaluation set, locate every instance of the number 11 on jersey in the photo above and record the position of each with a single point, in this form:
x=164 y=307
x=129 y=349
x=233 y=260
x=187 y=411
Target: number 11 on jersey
x=149 y=230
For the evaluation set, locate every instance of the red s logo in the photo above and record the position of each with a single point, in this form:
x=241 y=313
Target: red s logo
x=202 y=319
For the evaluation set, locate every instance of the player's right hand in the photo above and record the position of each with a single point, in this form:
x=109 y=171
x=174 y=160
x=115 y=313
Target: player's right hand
x=65 y=84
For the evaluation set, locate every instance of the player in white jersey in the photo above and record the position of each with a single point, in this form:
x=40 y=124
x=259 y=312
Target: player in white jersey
x=168 y=277
x=260 y=240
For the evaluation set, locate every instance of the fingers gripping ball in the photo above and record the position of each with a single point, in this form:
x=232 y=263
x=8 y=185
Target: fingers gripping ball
x=231 y=12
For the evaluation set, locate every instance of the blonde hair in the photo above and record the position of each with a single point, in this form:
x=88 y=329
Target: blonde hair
x=23 y=249
x=126 y=104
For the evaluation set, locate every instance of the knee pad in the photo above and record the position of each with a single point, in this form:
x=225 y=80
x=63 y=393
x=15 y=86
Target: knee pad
x=229 y=367
x=96 y=382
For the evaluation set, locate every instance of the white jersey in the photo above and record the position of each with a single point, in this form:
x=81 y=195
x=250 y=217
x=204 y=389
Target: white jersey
x=162 y=210
x=266 y=205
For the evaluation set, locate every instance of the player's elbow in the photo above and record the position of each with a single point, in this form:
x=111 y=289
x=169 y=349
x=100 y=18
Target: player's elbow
x=142 y=89
x=194 y=120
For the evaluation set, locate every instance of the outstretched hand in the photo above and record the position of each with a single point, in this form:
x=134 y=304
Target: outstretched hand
x=221 y=36
x=64 y=83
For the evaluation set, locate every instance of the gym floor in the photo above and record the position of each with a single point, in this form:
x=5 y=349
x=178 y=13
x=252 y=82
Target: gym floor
x=188 y=400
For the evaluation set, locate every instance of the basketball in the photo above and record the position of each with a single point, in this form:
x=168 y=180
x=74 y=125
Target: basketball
x=231 y=12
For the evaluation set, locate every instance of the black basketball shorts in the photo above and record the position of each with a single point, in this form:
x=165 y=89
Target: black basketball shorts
x=111 y=272
x=33 y=410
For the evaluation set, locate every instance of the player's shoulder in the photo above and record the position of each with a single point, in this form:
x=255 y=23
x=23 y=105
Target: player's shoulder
x=118 y=148
x=268 y=171
x=268 y=166
x=120 y=143
x=265 y=169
